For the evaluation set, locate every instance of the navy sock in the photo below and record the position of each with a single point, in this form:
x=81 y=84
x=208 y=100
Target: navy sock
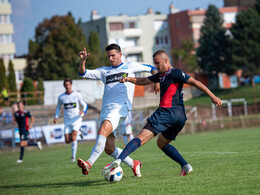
x=32 y=144
x=21 y=153
x=130 y=147
x=173 y=153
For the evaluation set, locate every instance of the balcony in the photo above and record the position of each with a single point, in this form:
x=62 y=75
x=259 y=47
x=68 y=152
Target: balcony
x=132 y=32
x=134 y=49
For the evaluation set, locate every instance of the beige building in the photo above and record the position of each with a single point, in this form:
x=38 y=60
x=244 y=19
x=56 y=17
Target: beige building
x=7 y=47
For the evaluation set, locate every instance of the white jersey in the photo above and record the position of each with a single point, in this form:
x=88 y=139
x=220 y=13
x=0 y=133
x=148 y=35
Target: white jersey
x=70 y=104
x=115 y=92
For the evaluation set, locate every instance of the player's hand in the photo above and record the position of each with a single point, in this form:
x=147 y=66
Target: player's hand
x=217 y=101
x=156 y=88
x=84 y=54
x=82 y=114
x=123 y=80
x=55 y=120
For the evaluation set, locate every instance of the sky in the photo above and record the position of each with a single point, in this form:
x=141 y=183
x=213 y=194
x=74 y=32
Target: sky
x=27 y=14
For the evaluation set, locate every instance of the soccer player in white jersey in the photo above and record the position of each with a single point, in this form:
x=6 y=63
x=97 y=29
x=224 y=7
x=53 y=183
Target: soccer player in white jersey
x=117 y=101
x=72 y=115
x=126 y=128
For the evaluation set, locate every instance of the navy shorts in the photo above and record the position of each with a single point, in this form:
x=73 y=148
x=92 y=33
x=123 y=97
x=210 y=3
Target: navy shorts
x=24 y=136
x=168 y=121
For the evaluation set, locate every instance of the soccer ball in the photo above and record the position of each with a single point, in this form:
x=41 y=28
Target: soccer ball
x=114 y=174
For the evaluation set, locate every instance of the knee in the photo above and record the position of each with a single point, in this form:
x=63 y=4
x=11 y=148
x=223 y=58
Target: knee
x=109 y=150
x=160 y=144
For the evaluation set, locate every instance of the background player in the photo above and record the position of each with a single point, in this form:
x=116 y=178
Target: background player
x=72 y=115
x=21 y=117
x=117 y=102
x=126 y=128
x=169 y=118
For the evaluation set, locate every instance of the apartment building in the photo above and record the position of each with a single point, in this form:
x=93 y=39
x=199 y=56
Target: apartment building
x=7 y=47
x=138 y=36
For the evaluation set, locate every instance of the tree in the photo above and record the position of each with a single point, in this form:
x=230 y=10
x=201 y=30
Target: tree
x=246 y=40
x=3 y=81
x=185 y=54
x=96 y=58
x=40 y=88
x=28 y=90
x=11 y=77
x=54 y=53
x=215 y=46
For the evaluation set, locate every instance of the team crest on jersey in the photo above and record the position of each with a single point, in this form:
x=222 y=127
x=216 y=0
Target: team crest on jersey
x=125 y=67
x=183 y=74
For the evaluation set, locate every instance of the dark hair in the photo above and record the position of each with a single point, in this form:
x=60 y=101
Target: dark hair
x=67 y=79
x=20 y=102
x=113 y=46
x=159 y=52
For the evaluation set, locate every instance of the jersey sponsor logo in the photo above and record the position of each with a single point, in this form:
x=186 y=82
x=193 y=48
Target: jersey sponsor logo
x=70 y=105
x=115 y=77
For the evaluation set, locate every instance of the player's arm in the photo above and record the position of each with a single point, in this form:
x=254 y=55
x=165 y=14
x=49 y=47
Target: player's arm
x=136 y=81
x=57 y=112
x=156 y=85
x=31 y=123
x=83 y=57
x=84 y=105
x=200 y=86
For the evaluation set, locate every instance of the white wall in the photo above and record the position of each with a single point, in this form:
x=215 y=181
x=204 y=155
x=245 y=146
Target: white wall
x=91 y=90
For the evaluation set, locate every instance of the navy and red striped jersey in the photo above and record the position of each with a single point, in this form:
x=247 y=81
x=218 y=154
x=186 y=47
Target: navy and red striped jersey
x=22 y=119
x=171 y=84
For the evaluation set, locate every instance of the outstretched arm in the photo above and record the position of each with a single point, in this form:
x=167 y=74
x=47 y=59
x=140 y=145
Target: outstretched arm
x=137 y=81
x=203 y=88
x=83 y=57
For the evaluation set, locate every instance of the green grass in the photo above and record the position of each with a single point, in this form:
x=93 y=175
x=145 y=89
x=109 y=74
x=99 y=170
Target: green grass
x=246 y=92
x=224 y=162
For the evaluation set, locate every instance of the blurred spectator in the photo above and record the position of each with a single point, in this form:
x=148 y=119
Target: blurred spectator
x=5 y=95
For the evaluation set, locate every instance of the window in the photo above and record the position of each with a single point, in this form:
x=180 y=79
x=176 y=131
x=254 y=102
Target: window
x=4 y=19
x=116 y=26
x=161 y=40
x=5 y=38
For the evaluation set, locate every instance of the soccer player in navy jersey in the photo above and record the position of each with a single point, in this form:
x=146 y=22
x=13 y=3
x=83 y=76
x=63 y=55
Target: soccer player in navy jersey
x=25 y=120
x=169 y=118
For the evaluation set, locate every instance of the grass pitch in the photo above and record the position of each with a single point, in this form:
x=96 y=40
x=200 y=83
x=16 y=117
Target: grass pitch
x=224 y=162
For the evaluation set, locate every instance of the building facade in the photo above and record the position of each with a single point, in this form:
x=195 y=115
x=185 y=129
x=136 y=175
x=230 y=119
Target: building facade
x=7 y=47
x=138 y=36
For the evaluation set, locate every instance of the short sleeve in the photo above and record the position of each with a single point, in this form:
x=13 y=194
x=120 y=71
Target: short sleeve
x=179 y=76
x=154 y=78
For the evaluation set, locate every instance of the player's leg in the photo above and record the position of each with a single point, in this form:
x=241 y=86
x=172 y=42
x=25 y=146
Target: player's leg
x=74 y=145
x=135 y=143
x=173 y=153
x=114 y=151
x=105 y=130
x=22 y=145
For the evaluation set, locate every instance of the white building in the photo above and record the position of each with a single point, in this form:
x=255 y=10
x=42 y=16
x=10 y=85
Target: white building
x=138 y=36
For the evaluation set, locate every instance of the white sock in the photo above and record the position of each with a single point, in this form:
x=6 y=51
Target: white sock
x=74 y=147
x=125 y=139
x=98 y=149
x=131 y=136
x=129 y=161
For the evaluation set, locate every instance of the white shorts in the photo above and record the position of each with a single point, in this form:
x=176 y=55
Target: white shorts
x=113 y=113
x=128 y=129
x=72 y=124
